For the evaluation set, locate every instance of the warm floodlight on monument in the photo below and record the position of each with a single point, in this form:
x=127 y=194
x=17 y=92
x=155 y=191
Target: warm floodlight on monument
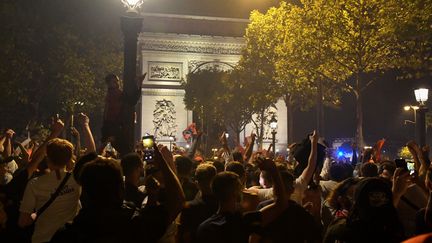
x=421 y=96
x=132 y=5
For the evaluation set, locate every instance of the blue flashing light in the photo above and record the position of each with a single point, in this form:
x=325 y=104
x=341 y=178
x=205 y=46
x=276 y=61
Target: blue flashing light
x=340 y=154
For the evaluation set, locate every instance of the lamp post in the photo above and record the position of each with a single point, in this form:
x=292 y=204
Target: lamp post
x=421 y=96
x=273 y=126
x=131 y=24
x=414 y=109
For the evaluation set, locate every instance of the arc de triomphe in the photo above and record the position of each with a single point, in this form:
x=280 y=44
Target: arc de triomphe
x=170 y=47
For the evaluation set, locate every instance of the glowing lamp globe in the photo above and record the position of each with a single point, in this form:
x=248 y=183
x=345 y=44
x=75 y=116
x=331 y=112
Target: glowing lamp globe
x=132 y=5
x=421 y=95
x=273 y=123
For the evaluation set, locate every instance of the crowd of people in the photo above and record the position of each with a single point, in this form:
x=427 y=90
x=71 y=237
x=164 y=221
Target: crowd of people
x=59 y=191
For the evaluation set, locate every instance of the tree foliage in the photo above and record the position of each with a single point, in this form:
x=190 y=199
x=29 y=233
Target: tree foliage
x=281 y=61
x=54 y=54
x=415 y=32
x=344 y=44
x=219 y=98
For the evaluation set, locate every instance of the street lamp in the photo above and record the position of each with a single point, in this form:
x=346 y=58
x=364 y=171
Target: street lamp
x=273 y=126
x=132 y=5
x=421 y=96
x=131 y=25
x=414 y=108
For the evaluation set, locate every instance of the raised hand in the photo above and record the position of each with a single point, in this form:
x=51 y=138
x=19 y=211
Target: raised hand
x=314 y=137
x=9 y=133
x=83 y=120
x=167 y=156
x=75 y=132
x=140 y=79
x=251 y=138
x=57 y=127
x=223 y=139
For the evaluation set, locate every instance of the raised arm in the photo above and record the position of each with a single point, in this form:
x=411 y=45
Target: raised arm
x=310 y=168
x=174 y=193
x=25 y=156
x=401 y=181
x=39 y=154
x=428 y=212
x=195 y=144
x=413 y=148
x=132 y=96
x=274 y=210
x=77 y=137
x=224 y=143
x=7 y=145
x=249 y=147
x=87 y=135
x=354 y=158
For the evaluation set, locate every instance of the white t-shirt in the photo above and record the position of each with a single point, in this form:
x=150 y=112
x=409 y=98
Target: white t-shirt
x=300 y=185
x=62 y=209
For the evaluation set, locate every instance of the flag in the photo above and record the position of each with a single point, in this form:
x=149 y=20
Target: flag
x=377 y=149
x=189 y=132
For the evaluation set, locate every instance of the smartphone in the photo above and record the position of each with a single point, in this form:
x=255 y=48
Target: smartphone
x=411 y=167
x=148 y=144
x=401 y=163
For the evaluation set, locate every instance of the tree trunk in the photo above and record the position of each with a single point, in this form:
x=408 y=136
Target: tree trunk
x=320 y=109
x=359 y=113
x=260 y=129
x=237 y=136
x=290 y=119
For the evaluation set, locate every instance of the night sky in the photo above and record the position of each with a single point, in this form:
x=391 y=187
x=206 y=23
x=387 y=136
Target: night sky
x=383 y=114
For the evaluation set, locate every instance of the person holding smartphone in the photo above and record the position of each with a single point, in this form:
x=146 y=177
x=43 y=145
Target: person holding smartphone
x=106 y=219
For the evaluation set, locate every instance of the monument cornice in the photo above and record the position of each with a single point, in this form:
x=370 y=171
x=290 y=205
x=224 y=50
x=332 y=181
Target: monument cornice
x=192 y=44
x=162 y=92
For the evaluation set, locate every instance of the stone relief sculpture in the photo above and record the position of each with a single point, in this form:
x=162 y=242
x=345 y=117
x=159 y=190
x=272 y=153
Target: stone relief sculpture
x=192 y=47
x=165 y=71
x=164 y=118
x=194 y=65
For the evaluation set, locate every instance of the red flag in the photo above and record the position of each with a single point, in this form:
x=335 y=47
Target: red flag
x=377 y=149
